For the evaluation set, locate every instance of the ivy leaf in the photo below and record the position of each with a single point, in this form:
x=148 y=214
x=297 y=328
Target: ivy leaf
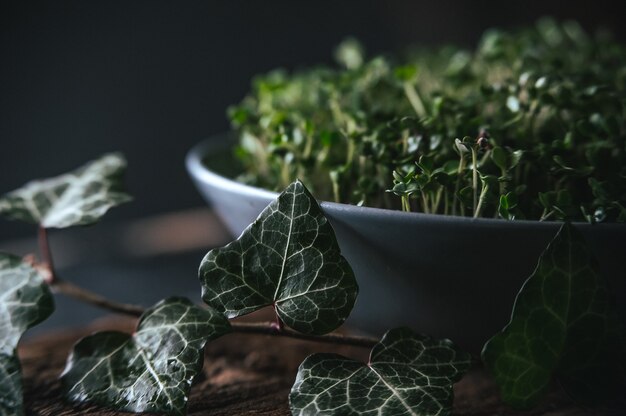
x=25 y=300
x=149 y=371
x=407 y=374
x=80 y=197
x=11 y=387
x=562 y=325
x=288 y=258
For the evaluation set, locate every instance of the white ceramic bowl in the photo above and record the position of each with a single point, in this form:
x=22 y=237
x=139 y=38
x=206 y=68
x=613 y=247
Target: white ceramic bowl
x=453 y=277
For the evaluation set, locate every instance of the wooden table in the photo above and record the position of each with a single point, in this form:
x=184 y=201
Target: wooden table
x=243 y=375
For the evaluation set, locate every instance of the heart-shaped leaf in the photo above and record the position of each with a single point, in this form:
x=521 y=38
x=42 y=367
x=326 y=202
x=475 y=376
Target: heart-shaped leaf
x=25 y=300
x=80 y=197
x=288 y=258
x=150 y=371
x=562 y=325
x=407 y=374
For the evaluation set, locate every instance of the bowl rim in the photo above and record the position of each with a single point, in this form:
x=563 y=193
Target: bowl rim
x=198 y=170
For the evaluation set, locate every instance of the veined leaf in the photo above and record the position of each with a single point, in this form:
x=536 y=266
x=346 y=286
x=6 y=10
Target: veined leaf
x=288 y=258
x=25 y=300
x=150 y=371
x=11 y=402
x=562 y=325
x=407 y=374
x=80 y=197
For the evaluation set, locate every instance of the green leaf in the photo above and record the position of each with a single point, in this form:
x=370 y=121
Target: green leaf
x=25 y=300
x=516 y=156
x=407 y=374
x=406 y=73
x=350 y=53
x=288 y=258
x=563 y=326
x=11 y=402
x=80 y=197
x=149 y=371
x=499 y=157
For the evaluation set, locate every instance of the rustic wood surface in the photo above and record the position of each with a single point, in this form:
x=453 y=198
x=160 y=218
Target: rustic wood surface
x=243 y=375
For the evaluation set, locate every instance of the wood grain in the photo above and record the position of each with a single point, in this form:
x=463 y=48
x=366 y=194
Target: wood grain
x=243 y=375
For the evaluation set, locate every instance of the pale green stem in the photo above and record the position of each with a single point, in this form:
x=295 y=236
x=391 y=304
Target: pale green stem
x=483 y=196
x=406 y=206
x=351 y=150
x=474 y=180
x=414 y=99
x=335 y=191
x=425 y=203
x=308 y=146
x=502 y=183
x=458 y=185
x=437 y=200
x=284 y=175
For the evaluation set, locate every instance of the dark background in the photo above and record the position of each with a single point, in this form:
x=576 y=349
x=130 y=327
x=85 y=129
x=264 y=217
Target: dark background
x=152 y=78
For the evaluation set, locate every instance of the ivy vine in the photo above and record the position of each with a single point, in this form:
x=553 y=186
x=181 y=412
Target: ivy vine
x=563 y=324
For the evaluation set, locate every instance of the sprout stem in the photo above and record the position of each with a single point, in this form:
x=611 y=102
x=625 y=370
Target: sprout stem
x=415 y=99
x=406 y=206
x=481 y=200
x=458 y=185
x=474 y=180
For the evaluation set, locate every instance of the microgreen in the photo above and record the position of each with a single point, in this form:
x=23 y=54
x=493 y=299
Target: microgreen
x=541 y=109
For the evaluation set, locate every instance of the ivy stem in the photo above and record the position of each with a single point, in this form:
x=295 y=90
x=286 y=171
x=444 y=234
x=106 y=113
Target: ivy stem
x=277 y=325
x=266 y=328
x=261 y=328
x=46 y=253
x=84 y=295
x=69 y=289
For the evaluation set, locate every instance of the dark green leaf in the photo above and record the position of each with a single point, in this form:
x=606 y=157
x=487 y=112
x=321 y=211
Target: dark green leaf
x=504 y=204
x=547 y=199
x=288 y=258
x=516 y=156
x=25 y=300
x=407 y=374
x=562 y=325
x=11 y=402
x=406 y=73
x=149 y=371
x=499 y=157
x=80 y=197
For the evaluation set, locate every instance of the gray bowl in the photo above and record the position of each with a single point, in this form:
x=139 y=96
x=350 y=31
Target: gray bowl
x=452 y=277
